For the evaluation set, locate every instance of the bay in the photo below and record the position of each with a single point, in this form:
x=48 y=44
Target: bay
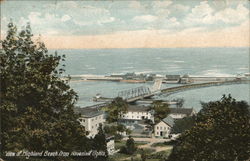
x=192 y=61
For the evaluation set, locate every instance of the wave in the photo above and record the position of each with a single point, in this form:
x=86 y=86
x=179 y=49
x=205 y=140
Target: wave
x=178 y=61
x=243 y=68
x=215 y=73
x=173 y=67
x=91 y=68
x=128 y=67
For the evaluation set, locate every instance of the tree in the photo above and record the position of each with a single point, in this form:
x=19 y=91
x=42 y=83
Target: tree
x=130 y=146
x=115 y=130
x=36 y=105
x=161 y=110
x=183 y=124
x=116 y=108
x=100 y=144
x=143 y=155
x=221 y=133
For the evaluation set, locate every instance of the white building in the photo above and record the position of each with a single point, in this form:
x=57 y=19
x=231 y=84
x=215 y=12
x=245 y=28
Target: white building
x=136 y=113
x=110 y=145
x=179 y=113
x=163 y=128
x=91 y=119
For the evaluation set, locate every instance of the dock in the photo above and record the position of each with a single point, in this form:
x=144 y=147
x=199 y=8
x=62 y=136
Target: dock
x=141 y=93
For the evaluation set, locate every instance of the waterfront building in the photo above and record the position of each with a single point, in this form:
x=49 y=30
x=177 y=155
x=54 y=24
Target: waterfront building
x=172 y=78
x=136 y=113
x=163 y=128
x=179 y=113
x=91 y=118
x=186 y=79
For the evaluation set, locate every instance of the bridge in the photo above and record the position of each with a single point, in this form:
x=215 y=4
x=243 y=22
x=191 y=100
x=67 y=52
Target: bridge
x=132 y=95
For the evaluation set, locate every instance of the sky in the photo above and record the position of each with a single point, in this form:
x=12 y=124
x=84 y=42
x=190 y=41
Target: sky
x=132 y=24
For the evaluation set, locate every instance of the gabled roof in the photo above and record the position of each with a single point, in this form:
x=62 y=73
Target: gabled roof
x=187 y=111
x=88 y=112
x=169 y=121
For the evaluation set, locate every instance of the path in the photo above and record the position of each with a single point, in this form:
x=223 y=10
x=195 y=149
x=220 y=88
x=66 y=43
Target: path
x=151 y=141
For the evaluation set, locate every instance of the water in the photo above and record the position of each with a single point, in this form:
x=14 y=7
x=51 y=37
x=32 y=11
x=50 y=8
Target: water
x=193 y=61
x=195 y=96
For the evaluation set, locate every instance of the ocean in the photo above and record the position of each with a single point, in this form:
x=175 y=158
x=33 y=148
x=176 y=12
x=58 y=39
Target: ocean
x=192 y=61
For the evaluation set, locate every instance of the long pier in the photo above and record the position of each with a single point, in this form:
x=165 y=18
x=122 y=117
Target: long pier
x=145 y=93
x=173 y=90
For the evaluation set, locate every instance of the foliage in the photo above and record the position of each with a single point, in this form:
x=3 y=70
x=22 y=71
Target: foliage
x=161 y=110
x=160 y=156
x=143 y=155
x=36 y=105
x=130 y=147
x=221 y=133
x=183 y=124
x=115 y=130
x=116 y=108
x=100 y=144
x=165 y=143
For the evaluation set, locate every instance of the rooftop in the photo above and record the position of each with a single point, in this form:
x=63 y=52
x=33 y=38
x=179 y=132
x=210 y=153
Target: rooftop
x=88 y=112
x=173 y=76
x=169 y=120
x=187 y=111
x=135 y=108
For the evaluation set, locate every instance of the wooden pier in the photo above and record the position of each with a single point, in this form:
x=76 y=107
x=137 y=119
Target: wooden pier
x=140 y=93
x=173 y=90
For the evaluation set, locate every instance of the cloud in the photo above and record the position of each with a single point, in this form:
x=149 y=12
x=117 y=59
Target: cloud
x=145 y=18
x=90 y=15
x=172 y=22
x=230 y=15
x=135 y=5
x=205 y=14
x=161 y=4
x=35 y=18
x=201 y=13
x=65 y=4
x=192 y=37
x=138 y=23
x=65 y=18
x=180 y=8
x=161 y=8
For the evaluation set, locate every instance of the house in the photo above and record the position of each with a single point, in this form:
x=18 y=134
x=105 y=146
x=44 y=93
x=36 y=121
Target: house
x=179 y=113
x=163 y=128
x=136 y=113
x=90 y=118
